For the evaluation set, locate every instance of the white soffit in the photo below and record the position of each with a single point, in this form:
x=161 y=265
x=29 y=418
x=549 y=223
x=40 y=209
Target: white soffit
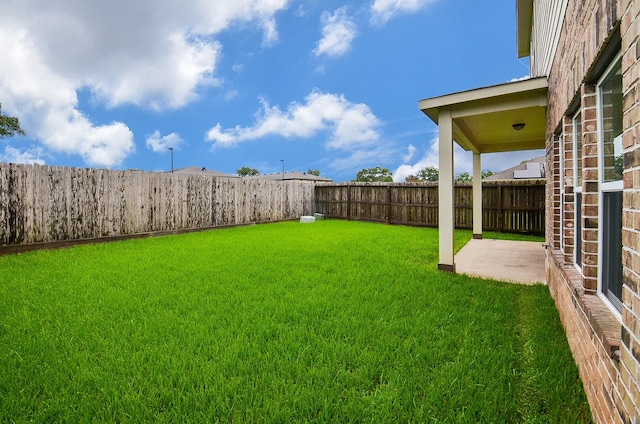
x=483 y=119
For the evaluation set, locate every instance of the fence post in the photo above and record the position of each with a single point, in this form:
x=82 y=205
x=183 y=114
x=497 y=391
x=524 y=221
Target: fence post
x=499 y=208
x=348 y=202
x=389 y=204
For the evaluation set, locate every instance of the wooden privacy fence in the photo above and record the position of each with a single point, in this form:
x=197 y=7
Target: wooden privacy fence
x=47 y=204
x=507 y=206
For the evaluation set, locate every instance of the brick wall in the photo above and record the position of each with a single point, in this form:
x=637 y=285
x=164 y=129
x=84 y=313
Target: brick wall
x=589 y=189
x=587 y=26
x=605 y=346
x=590 y=346
x=630 y=348
x=552 y=214
x=567 y=183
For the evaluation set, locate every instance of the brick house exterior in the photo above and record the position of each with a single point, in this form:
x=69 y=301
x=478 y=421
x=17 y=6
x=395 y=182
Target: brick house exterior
x=593 y=192
x=582 y=105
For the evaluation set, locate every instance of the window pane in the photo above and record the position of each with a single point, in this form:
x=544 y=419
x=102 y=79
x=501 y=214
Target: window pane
x=610 y=101
x=577 y=137
x=611 y=115
x=612 y=247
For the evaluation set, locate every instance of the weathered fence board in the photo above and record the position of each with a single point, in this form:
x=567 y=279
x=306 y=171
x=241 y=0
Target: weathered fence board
x=507 y=206
x=41 y=204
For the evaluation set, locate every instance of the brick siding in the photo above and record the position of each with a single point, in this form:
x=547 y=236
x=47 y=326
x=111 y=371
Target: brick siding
x=605 y=346
x=567 y=182
x=589 y=343
x=630 y=348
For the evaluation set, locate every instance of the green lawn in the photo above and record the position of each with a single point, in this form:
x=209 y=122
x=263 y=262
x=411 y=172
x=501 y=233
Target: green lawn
x=328 y=322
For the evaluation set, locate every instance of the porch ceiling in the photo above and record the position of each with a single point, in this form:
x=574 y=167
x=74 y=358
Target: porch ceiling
x=483 y=118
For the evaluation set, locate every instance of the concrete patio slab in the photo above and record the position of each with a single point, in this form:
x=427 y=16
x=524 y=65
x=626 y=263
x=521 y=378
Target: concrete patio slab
x=503 y=260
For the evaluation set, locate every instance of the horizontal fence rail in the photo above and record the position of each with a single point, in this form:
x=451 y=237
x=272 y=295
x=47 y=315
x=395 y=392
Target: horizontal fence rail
x=507 y=206
x=42 y=204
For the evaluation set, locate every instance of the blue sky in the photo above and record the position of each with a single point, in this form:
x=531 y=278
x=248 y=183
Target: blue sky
x=320 y=84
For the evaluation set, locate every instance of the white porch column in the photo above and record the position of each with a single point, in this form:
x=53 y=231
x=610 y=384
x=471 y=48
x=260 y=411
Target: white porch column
x=445 y=192
x=477 y=196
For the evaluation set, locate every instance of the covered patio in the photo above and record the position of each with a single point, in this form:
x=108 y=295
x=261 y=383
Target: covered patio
x=501 y=118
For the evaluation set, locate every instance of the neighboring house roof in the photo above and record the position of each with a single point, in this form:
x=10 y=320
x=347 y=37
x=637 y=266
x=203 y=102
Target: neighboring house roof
x=201 y=170
x=294 y=175
x=527 y=170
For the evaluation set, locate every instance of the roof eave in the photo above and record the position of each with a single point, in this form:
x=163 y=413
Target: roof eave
x=493 y=91
x=483 y=118
x=524 y=23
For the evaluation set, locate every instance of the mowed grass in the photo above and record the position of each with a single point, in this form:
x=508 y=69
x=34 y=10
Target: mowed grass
x=331 y=322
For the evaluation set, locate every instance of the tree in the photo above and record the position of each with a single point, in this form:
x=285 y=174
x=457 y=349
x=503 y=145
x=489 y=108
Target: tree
x=619 y=167
x=245 y=171
x=429 y=174
x=377 y=174
x=463 y=177
x=9 y=126
x=315 y=172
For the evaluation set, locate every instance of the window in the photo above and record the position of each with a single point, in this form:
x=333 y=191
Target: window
x=577 y=190
x=610 y=187
x=612 y=247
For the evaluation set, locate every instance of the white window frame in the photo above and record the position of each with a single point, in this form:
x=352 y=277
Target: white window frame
x=604 y=187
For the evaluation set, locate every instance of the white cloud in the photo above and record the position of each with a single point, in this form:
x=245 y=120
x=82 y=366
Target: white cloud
x=411 y=150
x=271 y=35
x=122 y=52
x=351 y=125
x=67 y=130
x=338 y=32
x=169 y=80
x=462 y=161
x=159 y=143
x=430 y=158
x=27 y=156
x=46 y=103
x=383 y=10
x=351 y=128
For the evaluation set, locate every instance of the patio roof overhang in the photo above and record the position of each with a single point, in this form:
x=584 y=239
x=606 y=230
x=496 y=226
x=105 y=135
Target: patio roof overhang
x=483 y=118
x=501 y=118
